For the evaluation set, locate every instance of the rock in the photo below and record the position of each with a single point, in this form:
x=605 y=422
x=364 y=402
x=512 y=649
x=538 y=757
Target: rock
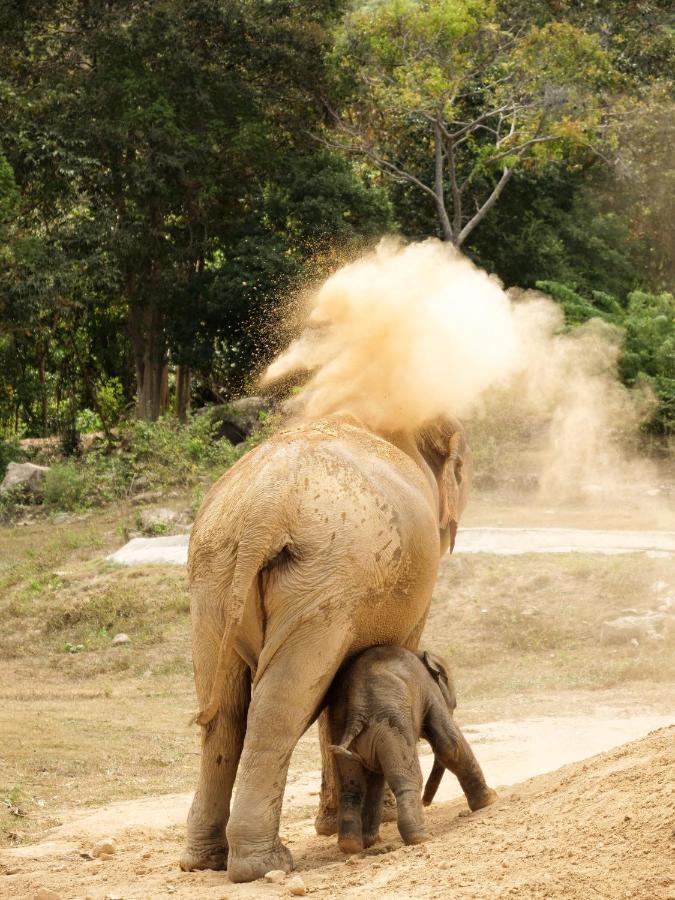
x=236 y=421
x=275 y=876
x=296 y=886
x=147 y=497
x=23 y=477
x=46 y=894
x=104 y=847
x=121 y=638
x=158 y=520
x=626 y=629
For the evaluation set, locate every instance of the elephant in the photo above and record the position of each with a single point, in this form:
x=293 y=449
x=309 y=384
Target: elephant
x=379 y=706
x=315 y=545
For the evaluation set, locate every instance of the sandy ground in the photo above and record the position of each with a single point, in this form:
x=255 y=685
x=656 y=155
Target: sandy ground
x=500 y=541
x=599 y=828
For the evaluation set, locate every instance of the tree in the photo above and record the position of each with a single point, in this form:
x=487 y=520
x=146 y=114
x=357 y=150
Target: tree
x=157 y=123
x=438 y=95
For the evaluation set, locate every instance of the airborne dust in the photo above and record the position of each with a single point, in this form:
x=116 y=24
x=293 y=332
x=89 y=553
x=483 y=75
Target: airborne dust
x=407 y=332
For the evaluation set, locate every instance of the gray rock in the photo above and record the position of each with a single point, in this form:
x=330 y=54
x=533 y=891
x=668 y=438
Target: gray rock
x=23 y=476
x=158 y=520
x=650 y=627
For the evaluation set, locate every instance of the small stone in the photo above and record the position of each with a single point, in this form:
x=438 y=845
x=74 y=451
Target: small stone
x=105 y=848
x=275 y=876
x=46 y=894
x=296 y=886
x=121 y=638
x=12 y=870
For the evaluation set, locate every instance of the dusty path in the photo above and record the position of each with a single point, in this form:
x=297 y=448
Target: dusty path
x=510 y=751
x=600 y=828
x=500 y=541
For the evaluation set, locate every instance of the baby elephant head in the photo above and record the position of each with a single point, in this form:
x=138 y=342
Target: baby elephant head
x=438 y=669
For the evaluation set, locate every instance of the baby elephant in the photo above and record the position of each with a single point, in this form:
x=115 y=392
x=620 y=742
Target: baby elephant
x=380 y=704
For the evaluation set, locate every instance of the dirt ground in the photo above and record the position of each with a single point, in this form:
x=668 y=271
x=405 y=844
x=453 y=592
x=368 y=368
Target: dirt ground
x=87 y=727
x=600 y=828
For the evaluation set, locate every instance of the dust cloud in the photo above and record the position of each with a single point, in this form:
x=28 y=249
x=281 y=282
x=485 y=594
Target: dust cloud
x=409 y=332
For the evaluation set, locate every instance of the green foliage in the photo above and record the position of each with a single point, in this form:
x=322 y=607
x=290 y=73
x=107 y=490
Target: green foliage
x=577 y=309
x=66 y=486
x=10 y=451
x=649 y=350
x=447 y=97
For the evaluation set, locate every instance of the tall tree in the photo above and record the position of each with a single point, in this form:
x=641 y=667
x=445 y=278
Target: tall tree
x=439 y=95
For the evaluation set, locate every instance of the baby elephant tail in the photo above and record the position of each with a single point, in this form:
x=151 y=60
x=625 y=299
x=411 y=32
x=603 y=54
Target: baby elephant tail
x=433 y=781
x=339 y=750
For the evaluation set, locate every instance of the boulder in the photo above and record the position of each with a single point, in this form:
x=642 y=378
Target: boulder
x=238 y=420
x=160 y=520
x=23 y=476
x=625 y=630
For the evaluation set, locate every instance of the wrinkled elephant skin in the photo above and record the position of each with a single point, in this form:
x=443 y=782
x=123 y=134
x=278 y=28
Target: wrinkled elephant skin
x=317 y=544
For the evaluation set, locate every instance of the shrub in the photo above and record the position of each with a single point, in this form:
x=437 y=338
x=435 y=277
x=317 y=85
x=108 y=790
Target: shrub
x=65 y=486
x=10 y=451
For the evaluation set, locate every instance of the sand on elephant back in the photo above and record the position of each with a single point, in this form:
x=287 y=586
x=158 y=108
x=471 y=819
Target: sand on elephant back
x=603 y=827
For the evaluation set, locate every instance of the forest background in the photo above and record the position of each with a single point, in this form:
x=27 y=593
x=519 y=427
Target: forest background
x=172 y=170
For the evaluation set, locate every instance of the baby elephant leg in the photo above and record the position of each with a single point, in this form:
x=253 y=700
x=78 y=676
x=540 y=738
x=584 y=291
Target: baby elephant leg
x=401 y=767
x=452 y=750
x=352 y=783
x=372 y=808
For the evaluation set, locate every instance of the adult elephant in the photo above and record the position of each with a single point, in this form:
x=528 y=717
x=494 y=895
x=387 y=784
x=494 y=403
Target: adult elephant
x=321 y=542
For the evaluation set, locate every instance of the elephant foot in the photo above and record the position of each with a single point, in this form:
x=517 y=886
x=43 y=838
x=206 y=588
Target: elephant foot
x=416 y=837
x=370 y=838
x=326 y=823
x=192 y=859
x=251 y=866
x=481 y=800
x=350 y=843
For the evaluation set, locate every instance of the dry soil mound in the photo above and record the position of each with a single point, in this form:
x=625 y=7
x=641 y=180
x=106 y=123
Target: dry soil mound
x=599 y=828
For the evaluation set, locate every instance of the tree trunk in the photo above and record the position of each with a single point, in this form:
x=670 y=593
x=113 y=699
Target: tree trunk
x=150 y=359
x=183 y=377
x=43 y=392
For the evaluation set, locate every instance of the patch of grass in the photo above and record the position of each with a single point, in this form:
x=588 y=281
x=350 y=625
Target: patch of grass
x=532 y=623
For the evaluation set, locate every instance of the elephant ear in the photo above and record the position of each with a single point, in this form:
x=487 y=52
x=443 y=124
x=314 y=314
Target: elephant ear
x=439 y=672
x=448 y=480
x=434 y=665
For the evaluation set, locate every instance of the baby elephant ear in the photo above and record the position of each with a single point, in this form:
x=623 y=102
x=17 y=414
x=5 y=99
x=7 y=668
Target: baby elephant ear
x=432 y=664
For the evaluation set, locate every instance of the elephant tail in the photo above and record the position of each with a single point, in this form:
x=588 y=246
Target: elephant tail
x=251 y=558
x=433 y=781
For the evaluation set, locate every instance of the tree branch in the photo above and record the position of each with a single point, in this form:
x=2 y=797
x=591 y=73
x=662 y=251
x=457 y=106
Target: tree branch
x=448 y=233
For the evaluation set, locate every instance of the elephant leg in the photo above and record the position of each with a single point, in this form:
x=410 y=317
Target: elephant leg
x=372 y=808
x=283 y=704
x=326 y=822
x=453 y=750
x=222 y=741
x=401 y=767
x=352 y=779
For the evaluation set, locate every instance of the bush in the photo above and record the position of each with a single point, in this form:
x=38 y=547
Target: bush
x=65 y=487
x=10 y=451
